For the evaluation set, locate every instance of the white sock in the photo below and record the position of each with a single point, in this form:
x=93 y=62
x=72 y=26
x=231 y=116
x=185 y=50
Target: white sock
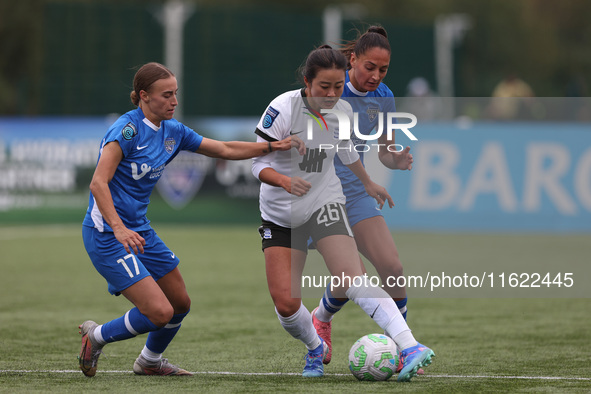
x=97 y=335
x=150 y=355
x=328 y=306
x=404 y=340
x=299 y=325
x=383 y=310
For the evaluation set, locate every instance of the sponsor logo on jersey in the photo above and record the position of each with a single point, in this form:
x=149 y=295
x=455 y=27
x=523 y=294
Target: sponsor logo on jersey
x=183 y=178
x=270 y=117
x=144 y=168
x=313 y=160
x=372 y=113
x=129 y=131
x=169 y=144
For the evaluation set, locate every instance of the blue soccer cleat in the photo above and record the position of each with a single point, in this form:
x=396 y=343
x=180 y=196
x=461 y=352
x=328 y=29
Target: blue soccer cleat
x=314 y=367
x=420 y=371
x=413 y=359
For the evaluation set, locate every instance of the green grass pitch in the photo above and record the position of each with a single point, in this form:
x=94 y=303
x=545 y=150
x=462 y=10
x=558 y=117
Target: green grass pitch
x=232 y=338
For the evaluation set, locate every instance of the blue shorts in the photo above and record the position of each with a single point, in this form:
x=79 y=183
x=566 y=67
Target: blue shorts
x=360 y=208
x=121 y=269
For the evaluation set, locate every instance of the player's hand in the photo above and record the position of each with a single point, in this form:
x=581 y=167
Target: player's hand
x=130 y=240
x=397 y=160
x=380 y=194
x=297 y=143
x=298 y=186
x=288 y=143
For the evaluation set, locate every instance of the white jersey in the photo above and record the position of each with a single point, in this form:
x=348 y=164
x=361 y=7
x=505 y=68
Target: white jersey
x=290 y=114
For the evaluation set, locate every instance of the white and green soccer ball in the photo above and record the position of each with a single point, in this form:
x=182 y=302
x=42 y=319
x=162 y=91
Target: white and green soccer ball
x=373 y=357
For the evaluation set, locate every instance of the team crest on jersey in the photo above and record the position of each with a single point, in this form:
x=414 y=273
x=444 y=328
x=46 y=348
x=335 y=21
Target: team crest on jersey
x=183 y=178
x=372 y=113
x=169 y=144
x=129 y=131
x=267 y=233
x=270 y=117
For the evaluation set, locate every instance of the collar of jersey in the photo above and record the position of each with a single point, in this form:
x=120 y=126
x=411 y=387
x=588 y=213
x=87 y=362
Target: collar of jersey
x=355 y=91
x=308 y=107
x=151 y=125
x=352 y=88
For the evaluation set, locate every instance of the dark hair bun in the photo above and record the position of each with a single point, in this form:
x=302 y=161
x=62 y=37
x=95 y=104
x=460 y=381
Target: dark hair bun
x=322 y=58
x=378 y=29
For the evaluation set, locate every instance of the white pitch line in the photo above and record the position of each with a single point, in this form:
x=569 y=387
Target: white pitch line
x=298 y=374
x=506 y=377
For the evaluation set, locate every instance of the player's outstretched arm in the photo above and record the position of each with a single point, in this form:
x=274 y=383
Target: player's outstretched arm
x=239 y=150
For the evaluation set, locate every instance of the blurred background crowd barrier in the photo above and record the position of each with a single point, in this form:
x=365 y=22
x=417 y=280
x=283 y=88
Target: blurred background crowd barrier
x=502 y=108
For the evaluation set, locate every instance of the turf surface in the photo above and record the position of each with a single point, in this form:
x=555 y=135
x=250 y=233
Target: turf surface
x=232 y=338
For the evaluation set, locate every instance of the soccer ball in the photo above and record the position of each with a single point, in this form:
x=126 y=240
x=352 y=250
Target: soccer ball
x=373 y=357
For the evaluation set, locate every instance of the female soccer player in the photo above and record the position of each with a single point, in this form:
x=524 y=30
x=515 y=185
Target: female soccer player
x=301 y=197
x=369 y=58
x=117 y=235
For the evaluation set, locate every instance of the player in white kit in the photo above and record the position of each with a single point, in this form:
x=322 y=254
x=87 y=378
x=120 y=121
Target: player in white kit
x=369 y=59
x=301 y=197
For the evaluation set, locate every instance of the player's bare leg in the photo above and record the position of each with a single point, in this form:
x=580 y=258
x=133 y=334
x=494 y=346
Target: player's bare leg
x=150 y=361
x=284 y=267
x=337 y=251
x=375 y=242
x=151 y=316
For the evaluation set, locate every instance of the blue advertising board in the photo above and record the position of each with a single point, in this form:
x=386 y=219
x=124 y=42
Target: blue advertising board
x=495 y=177
x=480 y=176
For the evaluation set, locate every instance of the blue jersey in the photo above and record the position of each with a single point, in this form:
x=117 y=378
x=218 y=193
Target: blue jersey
x=147 y=149
x=368 y=105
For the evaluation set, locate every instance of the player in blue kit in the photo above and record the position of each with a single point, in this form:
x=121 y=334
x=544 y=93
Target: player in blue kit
x=117 y=235
x=369 y=58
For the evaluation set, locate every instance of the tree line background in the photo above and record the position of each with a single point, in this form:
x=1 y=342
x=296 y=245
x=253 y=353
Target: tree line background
x=78 y=57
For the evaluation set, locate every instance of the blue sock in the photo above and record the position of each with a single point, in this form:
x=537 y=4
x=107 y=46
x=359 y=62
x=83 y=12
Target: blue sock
x=158 y=340
x=331 y=304
x=402 y=306
x=127 y=326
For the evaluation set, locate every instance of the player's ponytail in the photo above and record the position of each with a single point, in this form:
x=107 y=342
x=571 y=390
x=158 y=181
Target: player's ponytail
x=135 y=99
x=324 y=46
x=377 y=29
x=375 y=36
